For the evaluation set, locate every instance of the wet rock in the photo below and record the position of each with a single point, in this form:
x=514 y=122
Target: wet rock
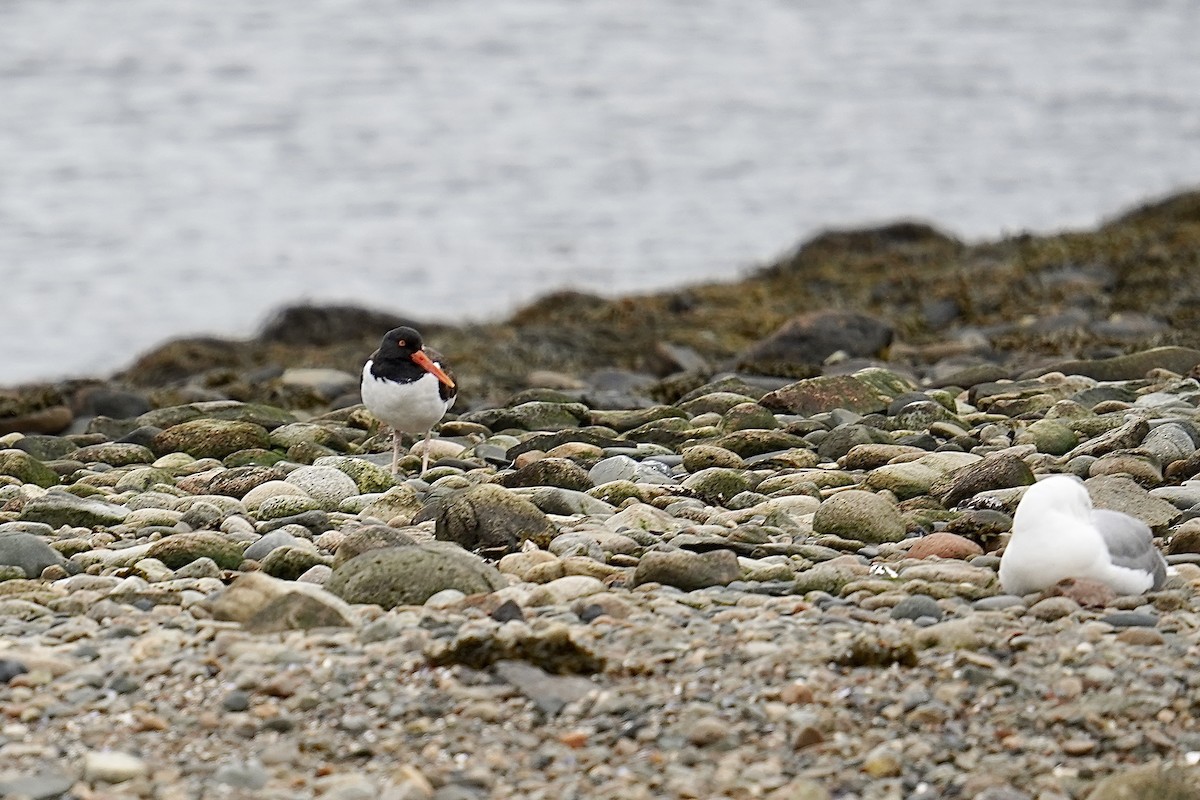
x=565 y=502
x=747 y=416
x=913 y=478
x=687 y=570
x=211 y=438
x=1168 y=442
x=859 y=515
x=44 y=448
x=183 y=548
x=492 y=518
x=1186 y=538
x=411 y=575
x=26 y=468
x=258 y=550
x=624 y=468
x=269 y=489
x=622 y=420
x=705 y=456
x=714 y=402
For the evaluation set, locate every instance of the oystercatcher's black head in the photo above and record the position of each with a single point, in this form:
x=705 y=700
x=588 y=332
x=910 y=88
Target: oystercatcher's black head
x=404 y=347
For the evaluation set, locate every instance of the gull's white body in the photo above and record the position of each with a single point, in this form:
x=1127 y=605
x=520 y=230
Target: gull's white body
x=1057 y=534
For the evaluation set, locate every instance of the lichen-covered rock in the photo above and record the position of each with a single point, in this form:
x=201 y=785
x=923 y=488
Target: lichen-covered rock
x=143 y=478
x=398 y=505
x=295 y=433
x=859 y=515
x=717 y=485
x=238 y=481
x=115 y=454
x=211 y=438
x=491 y=518
x=26 y=468
x=1050 y=436
x=290 y=562
x=826 y=393
x=395 y=576
x=183 y=548
x=369 y=478
x=286 y=506
x=703 y=456
x=369 y=537
x=747 y=416
x=327 y=485
x=57 y=508
x=559 y=472
x=258 y=495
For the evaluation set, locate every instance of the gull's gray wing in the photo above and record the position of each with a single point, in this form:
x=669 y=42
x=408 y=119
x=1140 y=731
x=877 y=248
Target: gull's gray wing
x=1130 y=543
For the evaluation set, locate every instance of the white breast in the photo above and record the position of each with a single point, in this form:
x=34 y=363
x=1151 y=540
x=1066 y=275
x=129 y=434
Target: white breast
x=410 y=407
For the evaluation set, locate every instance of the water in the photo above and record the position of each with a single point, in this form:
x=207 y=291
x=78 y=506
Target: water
x=185 y=167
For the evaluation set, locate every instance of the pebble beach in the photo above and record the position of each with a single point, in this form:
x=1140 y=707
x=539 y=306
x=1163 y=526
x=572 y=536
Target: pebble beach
x=733 y=541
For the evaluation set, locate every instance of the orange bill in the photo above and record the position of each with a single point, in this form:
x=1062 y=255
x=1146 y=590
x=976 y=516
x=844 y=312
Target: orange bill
x=420 y=358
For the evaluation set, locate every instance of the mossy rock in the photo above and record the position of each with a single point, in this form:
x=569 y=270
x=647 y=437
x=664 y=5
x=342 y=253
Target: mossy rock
x=26 y=468
x=184 y=548
x=211 y=438
x=395 y=576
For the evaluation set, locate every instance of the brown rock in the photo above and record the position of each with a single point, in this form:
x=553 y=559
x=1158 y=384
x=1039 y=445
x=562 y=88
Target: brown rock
x=944 y=545
x=825 y=393
x=1087 y=593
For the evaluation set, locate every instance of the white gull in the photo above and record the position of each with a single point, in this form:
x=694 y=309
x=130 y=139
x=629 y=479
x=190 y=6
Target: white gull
x=1056 y=534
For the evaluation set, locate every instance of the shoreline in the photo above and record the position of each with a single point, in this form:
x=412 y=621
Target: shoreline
x=630 y=572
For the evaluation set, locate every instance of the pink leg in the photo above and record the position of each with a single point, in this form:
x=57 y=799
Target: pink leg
x=425 y=454
x=395 y=452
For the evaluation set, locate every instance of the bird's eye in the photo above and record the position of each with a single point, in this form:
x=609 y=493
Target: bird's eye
x=401 y=342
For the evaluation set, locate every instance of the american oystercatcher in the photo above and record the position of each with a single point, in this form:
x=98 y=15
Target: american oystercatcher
x=408 y=387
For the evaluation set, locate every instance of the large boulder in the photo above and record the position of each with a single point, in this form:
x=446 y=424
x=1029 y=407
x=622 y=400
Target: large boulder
x=395 y=576
x=491 y=518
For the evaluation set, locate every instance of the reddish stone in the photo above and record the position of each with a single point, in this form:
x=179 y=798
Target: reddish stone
x=944 y=545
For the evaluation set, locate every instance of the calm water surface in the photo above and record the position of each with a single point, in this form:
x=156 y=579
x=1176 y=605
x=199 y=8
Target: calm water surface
x=185 y=167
